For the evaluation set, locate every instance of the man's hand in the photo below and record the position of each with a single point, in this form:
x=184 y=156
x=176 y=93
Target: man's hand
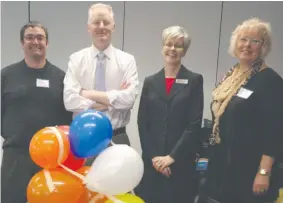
x=99 y=107
x=97 y=96
x=124 y=85
x=85 y=93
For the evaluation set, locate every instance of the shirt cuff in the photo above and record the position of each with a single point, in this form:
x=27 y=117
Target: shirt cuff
x=93 y=102
x=88 y=103
x=112 y=96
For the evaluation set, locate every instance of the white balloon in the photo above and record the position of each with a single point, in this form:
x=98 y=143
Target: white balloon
x=116 y=170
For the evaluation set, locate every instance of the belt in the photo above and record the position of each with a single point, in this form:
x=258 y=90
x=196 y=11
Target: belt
x=119 y=131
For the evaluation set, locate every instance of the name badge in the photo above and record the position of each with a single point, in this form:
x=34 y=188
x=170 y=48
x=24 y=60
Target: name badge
x=42 y=83
x=202 y=165
x=182 y=81
x=244 y=93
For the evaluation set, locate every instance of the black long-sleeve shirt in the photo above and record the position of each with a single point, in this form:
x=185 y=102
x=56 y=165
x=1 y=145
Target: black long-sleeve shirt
x=251 y=126
x=31 y=99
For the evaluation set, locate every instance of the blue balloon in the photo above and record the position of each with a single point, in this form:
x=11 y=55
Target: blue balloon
x=90 y=133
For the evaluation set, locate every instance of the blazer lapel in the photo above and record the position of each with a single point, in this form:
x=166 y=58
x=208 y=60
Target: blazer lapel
x=160 y=85
x=180 y=82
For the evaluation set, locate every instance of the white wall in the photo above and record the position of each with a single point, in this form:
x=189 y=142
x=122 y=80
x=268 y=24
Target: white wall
x=13 y=16
x=268 y=11
x=67 y=26
x=143 y=39
x=142 y=28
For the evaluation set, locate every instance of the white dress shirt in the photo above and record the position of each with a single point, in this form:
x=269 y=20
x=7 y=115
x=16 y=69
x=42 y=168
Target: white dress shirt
x=120 y=67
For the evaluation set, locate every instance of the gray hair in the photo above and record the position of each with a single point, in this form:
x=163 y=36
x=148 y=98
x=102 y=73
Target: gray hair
x=99 y=5
x=264 y=31
x=176 y=31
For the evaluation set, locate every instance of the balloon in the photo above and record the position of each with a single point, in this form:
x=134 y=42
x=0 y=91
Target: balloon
x=83 y=170
x=64 y=128
x=90 y=133
x=127 y=198
x=49 y=147
x=72 y=162
x=99 y=198
x=67 y=188
x=117 y=170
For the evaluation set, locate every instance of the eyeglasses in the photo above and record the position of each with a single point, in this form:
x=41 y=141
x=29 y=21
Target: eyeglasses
x=250 y=40
x=176 y=46
x=32 y=37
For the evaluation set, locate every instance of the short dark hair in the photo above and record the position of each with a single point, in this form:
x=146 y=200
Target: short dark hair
x=33 y=24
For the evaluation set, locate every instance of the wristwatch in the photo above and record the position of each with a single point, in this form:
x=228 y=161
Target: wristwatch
x=264 y=172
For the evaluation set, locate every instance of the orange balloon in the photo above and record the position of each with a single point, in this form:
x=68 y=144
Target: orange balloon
x=68 y=188
x=44 y=148
x=98 y=198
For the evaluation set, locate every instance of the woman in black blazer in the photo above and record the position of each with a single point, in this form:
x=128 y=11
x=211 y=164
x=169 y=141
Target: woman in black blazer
x=169 y=118
x=247 y=136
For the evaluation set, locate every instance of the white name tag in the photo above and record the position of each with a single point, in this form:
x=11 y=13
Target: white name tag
x=182 y=81
x=42 y=83
x=244 y=93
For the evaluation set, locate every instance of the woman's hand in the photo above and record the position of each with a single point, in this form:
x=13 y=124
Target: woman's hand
x=261 y=184
x=160 y=163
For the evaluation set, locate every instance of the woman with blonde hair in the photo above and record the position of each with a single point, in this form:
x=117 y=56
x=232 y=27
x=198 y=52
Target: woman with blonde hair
x=247 y=134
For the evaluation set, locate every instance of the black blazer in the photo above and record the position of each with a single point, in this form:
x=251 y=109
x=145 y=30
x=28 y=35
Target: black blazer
x=169 y=124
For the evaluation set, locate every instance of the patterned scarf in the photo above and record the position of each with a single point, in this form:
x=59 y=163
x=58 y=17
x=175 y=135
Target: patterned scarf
x=228 y=87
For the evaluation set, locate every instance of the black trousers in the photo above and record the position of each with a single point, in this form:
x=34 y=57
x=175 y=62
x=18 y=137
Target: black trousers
x=117 y=139
x=16 y=171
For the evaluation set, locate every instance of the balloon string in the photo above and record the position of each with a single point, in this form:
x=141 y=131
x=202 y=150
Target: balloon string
x=61 y=153
x=48 y=177
x=97 y=197
x=61 y=143
x=49 y=181
x=80 y=176
x=110 y=197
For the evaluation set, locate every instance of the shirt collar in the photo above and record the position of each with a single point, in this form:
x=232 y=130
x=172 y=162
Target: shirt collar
x=107 y=51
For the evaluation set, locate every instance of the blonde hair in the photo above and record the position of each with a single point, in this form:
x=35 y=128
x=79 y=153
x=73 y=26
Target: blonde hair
x=264 y=31
x=176 y=31
x=99 y=5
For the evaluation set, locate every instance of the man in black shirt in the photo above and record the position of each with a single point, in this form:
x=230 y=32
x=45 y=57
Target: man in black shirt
x=31 y=99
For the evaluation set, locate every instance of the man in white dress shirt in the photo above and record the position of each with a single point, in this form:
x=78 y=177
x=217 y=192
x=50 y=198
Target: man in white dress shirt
x=101 y=76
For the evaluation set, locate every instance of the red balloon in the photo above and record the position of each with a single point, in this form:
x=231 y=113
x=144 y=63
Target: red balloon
x=72 y=162
x=64 y=128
